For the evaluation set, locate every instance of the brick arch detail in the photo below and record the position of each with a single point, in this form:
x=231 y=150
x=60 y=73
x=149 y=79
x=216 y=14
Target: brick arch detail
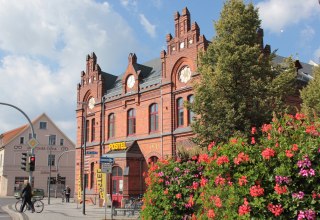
x=153 y=153
x=183 y=61
x=86 y=96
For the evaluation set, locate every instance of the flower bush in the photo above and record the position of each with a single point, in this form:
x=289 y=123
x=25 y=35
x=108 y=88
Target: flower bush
x=172 y=189
x=275 y=175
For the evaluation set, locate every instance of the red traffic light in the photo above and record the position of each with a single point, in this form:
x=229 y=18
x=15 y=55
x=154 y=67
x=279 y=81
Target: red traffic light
x=32 y=158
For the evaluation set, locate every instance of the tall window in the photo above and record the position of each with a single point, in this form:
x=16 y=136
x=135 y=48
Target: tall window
x=190 y=113
x=92 y=175
x=21 y=140
x=111 y=125
x=153 y=117
x=52 y=139
x=30 y=136
x=180 y=112
x=87 y=130
x=61 y=142
x=51 y=159
x=131 y=122
x=93 y=131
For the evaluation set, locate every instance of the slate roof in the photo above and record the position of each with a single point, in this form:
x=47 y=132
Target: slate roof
x=150 y=75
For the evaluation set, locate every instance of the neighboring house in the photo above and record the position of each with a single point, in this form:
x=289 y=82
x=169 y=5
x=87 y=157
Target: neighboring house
x=139 y=117
x=15 y=142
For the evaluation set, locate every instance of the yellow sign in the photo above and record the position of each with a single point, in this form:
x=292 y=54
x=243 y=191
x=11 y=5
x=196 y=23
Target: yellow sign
x=118 y=146
x=33 y=143
x=101 y=183
x=79 y=188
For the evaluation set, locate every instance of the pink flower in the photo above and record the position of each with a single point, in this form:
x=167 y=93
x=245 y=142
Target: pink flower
x=178 y=196
x=219 y=181
x=243 y=180
x=253 y=141
x=253 y=130
x=289 y=153
x=245 y=208
x=275 y=209
x=223 y=159
x=266 y=128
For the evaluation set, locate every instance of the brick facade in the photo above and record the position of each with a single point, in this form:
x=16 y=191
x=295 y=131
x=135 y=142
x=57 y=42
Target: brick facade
x=155 y=82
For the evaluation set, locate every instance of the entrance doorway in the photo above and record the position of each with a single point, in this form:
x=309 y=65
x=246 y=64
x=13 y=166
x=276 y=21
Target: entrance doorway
x=117 y=185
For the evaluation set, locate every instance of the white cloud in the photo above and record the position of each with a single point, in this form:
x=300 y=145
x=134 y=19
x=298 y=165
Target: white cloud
x=150 y=28
x=129 y=4
x=45 y=44
x=157 y=3
x=276 y=15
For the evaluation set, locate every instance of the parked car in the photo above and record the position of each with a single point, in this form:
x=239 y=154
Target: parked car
x=35 y=193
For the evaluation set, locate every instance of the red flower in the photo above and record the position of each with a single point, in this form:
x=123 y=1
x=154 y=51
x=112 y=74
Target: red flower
x=211 y=214
x=266 y=127
x=299 y=116
x=217 y=201
x=289 y=153
x=178 y=196
x=256 y=191
x=223 y=159
x=245 y=208
x=253 y=141
x=242 y=157
x=280 y=189
x=268 y=153
x=275 y=209
x=253 y=130
x=203 y=158
x=243 y=180
x=233 y=141
x=203 y=181
x=219 y=181
x=211 y=145
x=166 y=192
x=295 y=147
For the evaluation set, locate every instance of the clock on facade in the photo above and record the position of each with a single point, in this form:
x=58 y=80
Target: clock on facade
x=130 y=81
x=91 y=103
x=185 y=74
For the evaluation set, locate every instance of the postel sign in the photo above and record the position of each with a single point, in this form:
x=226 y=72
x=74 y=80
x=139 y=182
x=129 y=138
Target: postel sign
x=118 y=146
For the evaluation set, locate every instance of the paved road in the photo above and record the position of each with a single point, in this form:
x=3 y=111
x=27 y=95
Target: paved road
x=3 y=202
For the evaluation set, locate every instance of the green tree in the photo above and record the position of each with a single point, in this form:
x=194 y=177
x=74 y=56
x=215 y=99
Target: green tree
x=311 y=94
x=239 y=88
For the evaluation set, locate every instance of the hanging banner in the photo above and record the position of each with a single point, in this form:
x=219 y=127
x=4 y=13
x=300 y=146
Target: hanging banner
x=101 y=183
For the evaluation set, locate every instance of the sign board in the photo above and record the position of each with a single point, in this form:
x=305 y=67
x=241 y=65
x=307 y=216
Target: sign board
x=91 y=152
x=33 y=143
x=106 y=160
x=101 y=183
x=118 y=146
x=106 y=167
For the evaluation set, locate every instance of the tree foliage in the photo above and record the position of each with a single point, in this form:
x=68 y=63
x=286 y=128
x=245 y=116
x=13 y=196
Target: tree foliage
x=239 y=88
x=311 y=94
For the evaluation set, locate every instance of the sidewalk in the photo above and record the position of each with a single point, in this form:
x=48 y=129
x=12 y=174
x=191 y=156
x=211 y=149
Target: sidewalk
x=65 y=211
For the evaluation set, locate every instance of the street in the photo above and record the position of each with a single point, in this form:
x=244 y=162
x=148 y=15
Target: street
x=3 y=202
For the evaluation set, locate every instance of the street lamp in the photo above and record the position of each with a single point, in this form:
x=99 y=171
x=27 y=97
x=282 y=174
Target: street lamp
x=83 y=153
x=50 y=164
x=57 y=169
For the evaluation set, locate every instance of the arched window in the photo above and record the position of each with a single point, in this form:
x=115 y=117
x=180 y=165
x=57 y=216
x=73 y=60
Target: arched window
x=116 y=171
x=153 y=117
x=152 y=160
x=93 y=131
x=111 y=125
x=190 y=113
x=87 y=130
x=180 y=112
x=131 y=124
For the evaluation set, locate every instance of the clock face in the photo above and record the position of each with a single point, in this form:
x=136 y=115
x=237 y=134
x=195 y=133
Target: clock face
x=91 y=103
x=185 y=74
x=130 y=81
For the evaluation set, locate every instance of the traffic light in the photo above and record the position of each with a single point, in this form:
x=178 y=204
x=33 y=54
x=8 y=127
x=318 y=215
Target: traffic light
x=32 y=162
x=24 y=163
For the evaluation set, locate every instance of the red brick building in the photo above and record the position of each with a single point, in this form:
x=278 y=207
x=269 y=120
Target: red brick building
x=139 y=116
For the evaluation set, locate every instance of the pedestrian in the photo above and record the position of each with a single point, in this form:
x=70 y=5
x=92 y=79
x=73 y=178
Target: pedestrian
x=26 y=195
x=68 y=192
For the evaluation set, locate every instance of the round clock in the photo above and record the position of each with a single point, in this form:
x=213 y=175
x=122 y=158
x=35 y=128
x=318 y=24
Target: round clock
x=91 y=103
x=185 y=74
x=130 y=81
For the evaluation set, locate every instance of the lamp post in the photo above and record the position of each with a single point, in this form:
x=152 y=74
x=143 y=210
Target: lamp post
x=49 y=184
x=57 y=169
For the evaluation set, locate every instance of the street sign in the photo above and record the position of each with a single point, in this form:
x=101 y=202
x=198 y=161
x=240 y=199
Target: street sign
x=33 y=143
x=106 y=160
x=106 y=167
x=91 y=152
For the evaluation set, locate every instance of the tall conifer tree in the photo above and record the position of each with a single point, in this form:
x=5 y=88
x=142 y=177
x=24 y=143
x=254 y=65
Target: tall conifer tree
x=239 y=88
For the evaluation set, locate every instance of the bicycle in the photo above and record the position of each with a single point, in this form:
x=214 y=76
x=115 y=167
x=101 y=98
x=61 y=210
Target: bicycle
x=37 y=204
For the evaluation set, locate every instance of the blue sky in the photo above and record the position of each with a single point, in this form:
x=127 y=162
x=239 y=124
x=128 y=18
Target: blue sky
x=44 y=43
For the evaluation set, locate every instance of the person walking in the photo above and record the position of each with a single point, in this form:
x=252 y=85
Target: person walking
x=26 y=195
x=68 y=192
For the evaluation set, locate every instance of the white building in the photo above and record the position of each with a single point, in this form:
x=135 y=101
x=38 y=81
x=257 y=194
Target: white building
x=53 y=143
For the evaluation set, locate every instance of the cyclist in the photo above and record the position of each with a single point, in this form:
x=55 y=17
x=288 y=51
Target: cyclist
x=26 y=195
